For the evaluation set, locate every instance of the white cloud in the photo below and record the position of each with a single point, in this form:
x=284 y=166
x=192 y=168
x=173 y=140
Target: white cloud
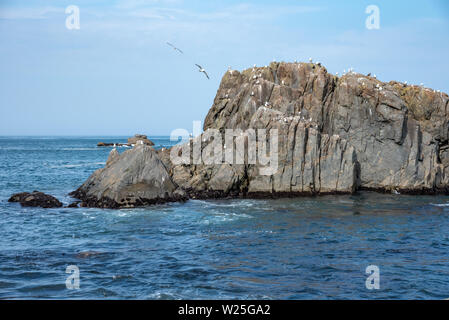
x=28 y=13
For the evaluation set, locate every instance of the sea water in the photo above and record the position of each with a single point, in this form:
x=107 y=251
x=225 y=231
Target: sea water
x=303 y=248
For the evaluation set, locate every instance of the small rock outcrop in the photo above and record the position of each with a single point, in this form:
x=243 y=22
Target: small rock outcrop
x=35 y=199
x=335 y=135
x=137 y=177
x=131 y=141
x=140 y=137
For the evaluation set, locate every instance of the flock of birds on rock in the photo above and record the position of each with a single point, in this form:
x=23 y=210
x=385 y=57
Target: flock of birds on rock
x=350 y=71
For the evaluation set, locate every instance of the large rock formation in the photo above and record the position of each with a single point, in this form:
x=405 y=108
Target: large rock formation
x=335 y=135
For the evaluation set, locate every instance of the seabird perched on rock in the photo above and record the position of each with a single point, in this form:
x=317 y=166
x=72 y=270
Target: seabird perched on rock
x=140 y=142
x=310 y=60
x=174 y=48
x=201 y=69
x=252 y=93
x=336 y=73
x=267 y=103
x=374 y=76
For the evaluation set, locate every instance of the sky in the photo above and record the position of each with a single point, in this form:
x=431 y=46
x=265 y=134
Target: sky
x=116 y=75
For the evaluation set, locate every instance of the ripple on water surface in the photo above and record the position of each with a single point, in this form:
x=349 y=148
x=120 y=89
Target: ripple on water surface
x=304 y=248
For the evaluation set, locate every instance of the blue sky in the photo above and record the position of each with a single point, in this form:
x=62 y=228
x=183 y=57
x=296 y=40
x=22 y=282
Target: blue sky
x=117 y=76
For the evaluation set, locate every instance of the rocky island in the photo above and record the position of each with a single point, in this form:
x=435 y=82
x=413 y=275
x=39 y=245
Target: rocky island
x=334 y=135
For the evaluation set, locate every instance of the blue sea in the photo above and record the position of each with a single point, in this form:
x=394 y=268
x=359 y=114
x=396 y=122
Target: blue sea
x=303 y=248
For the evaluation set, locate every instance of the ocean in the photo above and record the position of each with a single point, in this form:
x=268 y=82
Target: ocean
x=303 y=248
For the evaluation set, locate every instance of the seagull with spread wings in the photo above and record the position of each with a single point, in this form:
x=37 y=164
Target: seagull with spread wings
x=174 y=48
x=201 y=69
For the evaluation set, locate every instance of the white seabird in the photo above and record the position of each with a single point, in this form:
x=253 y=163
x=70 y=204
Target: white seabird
x=310 y=60
x=174 y=48
x=201 y=69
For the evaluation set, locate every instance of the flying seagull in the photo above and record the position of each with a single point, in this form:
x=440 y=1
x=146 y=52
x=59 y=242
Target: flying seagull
x=174 y=48
x=201 y=69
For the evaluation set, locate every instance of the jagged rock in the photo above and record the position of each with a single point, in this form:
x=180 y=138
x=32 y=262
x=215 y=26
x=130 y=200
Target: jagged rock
x=136 y=177
x=35 y=199
x=399 y=133
x=335 y=135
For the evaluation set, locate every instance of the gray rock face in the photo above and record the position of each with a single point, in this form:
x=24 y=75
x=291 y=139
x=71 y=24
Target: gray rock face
x=35 y=199
x=136 y=177
x=396 y=135
x=335 y=135
x=309 y=162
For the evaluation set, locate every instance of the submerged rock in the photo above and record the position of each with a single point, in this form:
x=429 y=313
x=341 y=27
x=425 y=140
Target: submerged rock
x=335 y=135
x=74 y=204
x=35 y=199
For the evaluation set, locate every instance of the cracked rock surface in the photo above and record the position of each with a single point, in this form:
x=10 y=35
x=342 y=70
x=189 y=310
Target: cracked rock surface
x=335 y=135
